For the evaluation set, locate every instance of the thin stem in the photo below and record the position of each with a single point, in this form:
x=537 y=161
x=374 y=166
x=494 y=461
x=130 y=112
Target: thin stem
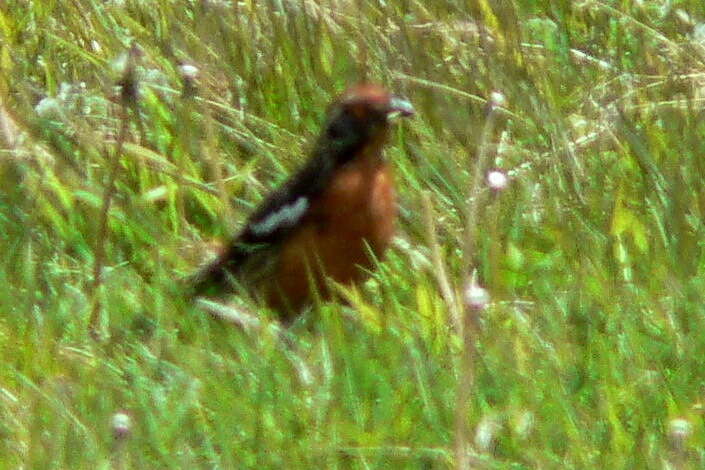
x=108 y=194
x=469 y=329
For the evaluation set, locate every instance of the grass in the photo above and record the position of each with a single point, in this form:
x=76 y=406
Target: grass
x=590 y=353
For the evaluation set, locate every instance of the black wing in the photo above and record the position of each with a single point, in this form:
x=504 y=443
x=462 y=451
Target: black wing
x=251 y=252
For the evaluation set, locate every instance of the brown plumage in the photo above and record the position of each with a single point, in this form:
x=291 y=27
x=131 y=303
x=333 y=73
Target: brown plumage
x=326 y=219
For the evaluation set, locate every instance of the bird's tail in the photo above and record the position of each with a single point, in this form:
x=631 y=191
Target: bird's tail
x=217 y=277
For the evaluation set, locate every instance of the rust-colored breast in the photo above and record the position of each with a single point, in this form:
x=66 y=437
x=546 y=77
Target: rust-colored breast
x=358 y=210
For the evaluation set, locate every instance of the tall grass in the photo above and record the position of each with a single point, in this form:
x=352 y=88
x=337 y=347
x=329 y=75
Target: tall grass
x=590 y=352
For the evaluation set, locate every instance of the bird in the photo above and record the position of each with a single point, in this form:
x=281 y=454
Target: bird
x=331 y=219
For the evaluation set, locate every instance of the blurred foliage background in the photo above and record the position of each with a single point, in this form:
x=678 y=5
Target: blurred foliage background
x=590 y=351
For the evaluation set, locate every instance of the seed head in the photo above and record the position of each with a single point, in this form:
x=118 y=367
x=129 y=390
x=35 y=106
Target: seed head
x=121 y=424
x=497 y=180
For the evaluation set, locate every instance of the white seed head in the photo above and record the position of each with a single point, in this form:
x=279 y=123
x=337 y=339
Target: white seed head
x=48 y=107
x=121 y=424
x=188 y=71
x=497 y=180
x=486 y=433
x=120 y=63
x=679 y=430
x=497 y=99
x=476 y=297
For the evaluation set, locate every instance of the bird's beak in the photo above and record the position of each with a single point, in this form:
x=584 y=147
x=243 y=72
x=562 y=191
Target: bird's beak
x=399 y=107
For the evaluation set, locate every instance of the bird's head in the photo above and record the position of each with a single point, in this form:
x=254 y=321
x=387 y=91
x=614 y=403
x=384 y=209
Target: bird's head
x=361 y=116
x=372 y=102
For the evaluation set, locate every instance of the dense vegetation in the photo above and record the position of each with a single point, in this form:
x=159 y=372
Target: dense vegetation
x=134 y=133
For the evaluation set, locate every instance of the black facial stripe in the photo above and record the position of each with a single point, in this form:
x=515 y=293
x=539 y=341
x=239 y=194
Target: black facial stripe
x=343 y=127
x=345 y=135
